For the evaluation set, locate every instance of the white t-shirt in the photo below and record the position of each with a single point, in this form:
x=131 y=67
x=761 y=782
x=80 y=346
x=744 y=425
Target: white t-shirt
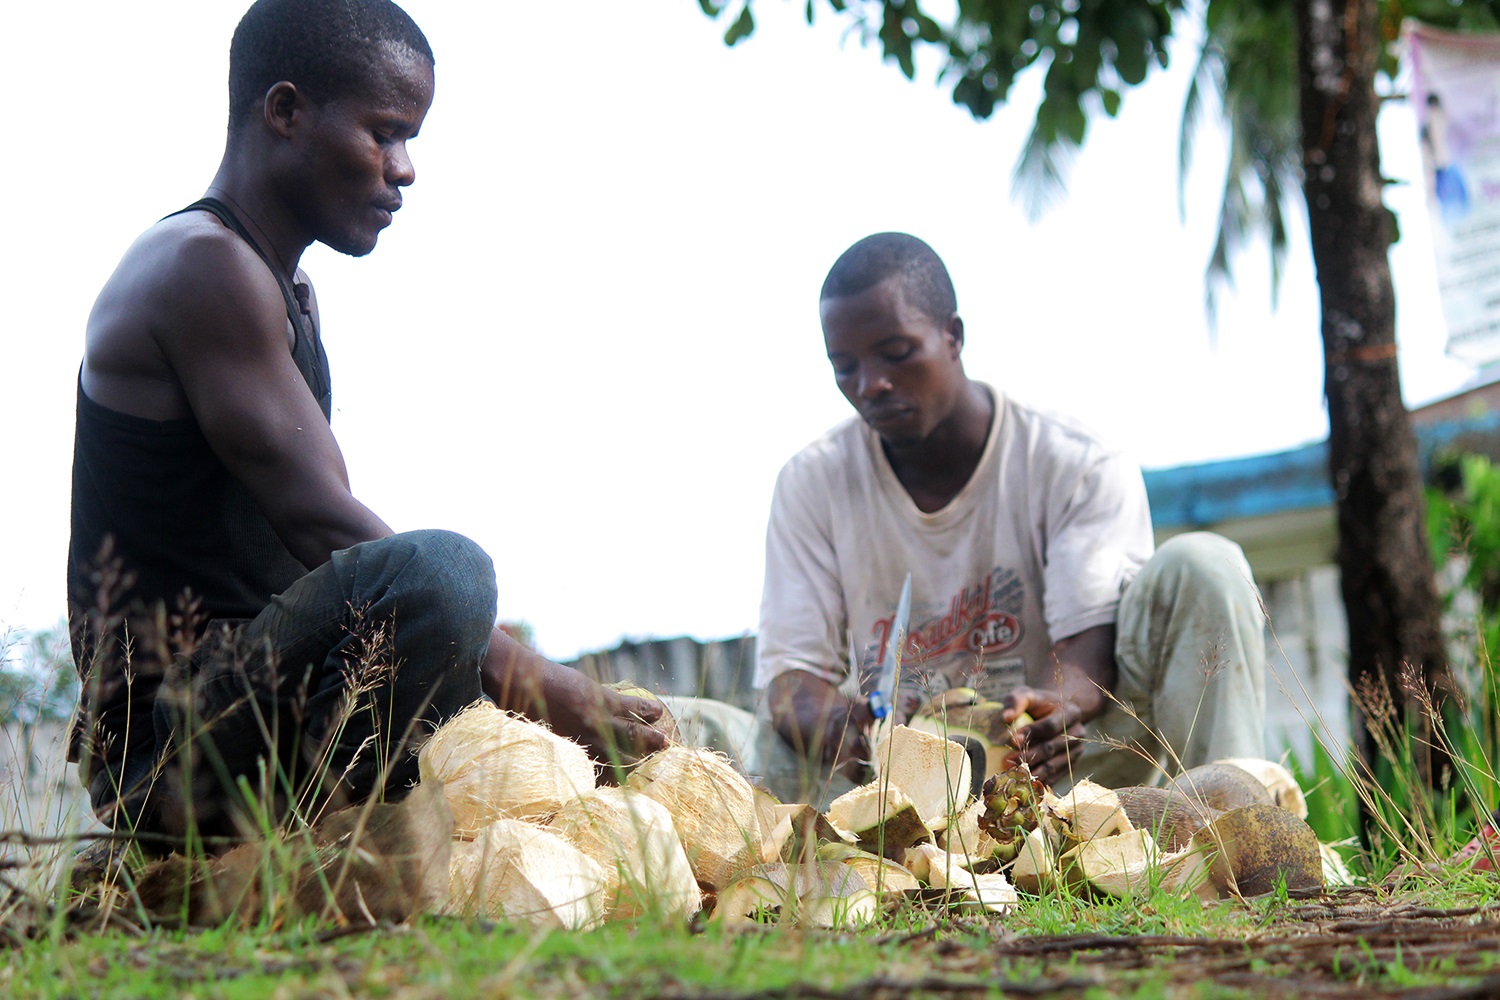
x=1037 y=546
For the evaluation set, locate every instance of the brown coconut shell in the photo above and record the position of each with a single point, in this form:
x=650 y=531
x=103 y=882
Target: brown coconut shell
x=1170 y=816
x=1258 y=847
x=1221 y=786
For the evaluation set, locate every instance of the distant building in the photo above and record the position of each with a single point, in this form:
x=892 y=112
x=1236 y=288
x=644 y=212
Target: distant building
x=1279 y=508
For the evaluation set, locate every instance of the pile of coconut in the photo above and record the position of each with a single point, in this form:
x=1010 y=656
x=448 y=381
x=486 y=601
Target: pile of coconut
x=536 y=839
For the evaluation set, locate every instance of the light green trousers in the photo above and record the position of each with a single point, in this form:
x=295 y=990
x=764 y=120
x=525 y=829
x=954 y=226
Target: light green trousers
x=1191 y=689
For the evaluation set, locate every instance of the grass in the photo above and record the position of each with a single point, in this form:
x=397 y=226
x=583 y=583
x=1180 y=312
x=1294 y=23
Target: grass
x=1060 y=943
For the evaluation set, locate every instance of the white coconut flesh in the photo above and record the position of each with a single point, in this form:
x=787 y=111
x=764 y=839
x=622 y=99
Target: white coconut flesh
x=935 y=772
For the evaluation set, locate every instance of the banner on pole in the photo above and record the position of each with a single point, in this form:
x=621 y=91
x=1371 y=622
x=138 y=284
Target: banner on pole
x=1455 y=92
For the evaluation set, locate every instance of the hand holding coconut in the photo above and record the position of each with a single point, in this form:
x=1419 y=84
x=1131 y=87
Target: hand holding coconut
x=1083 y=674
x=613 y=727
x=821 y=723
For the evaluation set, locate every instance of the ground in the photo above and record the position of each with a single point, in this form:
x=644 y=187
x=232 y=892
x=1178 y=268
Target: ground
x=1428 y=939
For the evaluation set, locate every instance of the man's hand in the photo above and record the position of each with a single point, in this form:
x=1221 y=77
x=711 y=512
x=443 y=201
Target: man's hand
x=820 y=723
x=1083 y=672
x=613 y=727
x=1051 y=744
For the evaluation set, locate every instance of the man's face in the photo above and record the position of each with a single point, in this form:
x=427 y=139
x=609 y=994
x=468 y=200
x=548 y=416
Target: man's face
x=894 y=364
x=355 y=161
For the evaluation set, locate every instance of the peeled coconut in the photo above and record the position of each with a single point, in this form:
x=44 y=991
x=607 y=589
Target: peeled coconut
x=1117 y=865
x=1035 y=869
x=1090 y=811
x=712 y=806
x=527 y=873
x=814 y=895
x=498 y=765
x=933 y=771
x=633 y=839
x=1278 y=781
x=881 y=817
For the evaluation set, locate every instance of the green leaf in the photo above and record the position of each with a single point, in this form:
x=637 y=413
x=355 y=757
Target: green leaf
x=1111 y=99
x=711 y=7
x=742 y=27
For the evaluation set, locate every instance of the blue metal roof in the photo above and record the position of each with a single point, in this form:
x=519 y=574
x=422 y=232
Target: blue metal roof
x=1189 y=496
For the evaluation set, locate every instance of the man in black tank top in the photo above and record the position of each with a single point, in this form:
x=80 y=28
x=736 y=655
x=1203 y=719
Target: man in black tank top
x=235 y=610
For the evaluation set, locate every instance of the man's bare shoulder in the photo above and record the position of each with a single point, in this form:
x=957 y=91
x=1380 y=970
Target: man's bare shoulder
x=184 y=285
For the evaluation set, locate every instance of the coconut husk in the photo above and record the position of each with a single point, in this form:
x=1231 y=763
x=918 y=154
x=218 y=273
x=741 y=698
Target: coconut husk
x=1277 y=780
x=712 y=806
x=933 y=771
x=1118 y=865
x=944 y=871
x=884 y=876
x=1187 y=872
x=527 y=873
x=1260 y=847
x=880 y=817
x=1335 y=872
x=633 y=839
x=498 y=765
x=798 y=829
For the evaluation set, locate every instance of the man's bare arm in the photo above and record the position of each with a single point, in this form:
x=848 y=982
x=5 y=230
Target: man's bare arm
x=819 y=722
x=225 y=339
x=614 y=727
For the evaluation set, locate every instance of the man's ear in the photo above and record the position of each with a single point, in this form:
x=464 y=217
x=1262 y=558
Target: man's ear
x=283 y=106
x=954 y=329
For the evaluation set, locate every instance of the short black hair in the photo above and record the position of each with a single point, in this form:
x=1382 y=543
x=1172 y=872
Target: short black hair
x=321 y=46
x=875 y=258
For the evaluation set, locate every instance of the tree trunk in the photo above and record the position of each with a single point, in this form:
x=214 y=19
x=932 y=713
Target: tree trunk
x=1388 y=586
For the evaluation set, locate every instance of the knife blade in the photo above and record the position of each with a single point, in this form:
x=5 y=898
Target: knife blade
x=885 y=683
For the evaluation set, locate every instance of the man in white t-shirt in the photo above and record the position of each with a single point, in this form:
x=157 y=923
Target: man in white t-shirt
x=1030 y=552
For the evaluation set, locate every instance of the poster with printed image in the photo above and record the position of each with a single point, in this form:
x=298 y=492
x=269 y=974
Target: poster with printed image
x=1455 y=93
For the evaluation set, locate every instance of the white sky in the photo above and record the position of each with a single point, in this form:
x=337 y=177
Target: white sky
x=590 y=339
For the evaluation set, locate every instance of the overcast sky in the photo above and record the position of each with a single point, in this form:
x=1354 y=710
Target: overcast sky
x=590 y=339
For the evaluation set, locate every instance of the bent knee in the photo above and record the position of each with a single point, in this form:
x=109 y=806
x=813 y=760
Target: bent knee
x=1201 y=556
x=451 y=565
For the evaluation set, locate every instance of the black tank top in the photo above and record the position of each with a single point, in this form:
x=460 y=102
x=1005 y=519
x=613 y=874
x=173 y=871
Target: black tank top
x=153 y=500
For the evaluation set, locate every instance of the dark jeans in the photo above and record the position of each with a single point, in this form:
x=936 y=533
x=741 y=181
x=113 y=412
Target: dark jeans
x=320 y=700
